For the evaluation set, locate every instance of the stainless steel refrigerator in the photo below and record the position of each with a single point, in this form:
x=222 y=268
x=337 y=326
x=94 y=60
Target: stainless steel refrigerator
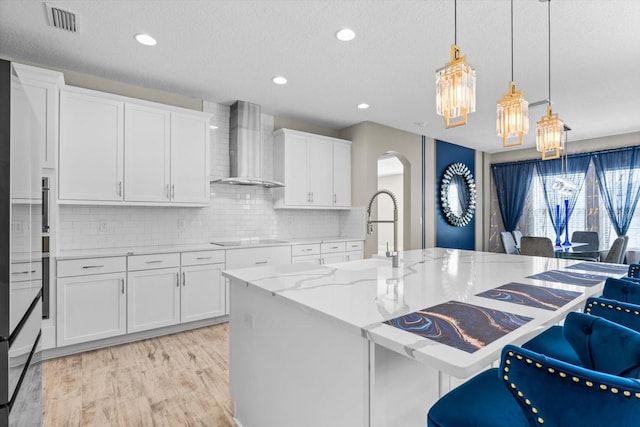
x=20 y=254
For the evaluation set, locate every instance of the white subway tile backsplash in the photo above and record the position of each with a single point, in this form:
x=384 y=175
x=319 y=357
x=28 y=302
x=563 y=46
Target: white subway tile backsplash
x=234 y=212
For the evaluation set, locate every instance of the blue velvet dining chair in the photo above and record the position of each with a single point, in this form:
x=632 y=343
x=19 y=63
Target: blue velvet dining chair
x=556 y=341
x=625 y=290
x=536 y=387
x=634 y=271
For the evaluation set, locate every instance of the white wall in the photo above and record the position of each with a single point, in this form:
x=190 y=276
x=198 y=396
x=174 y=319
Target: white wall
x=233 y=212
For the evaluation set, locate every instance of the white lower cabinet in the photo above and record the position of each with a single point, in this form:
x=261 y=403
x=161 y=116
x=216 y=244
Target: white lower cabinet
x=153 y=299
x=203 y=288
x=91 y=308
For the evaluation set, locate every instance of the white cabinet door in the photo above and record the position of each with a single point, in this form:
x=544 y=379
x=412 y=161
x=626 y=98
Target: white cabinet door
x=23 y=130
x=203 y=292
x=91 y=147
x=333 y=258
x=42 y=86
x=320 y=159
x=153 y=299
x=189 y=158
x=296 y=171
x=354 y=256
x=147 y=154
x=90 y=308
x=342 y=174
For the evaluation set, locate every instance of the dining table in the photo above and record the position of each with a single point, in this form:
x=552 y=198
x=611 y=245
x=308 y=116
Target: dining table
x=364 y=344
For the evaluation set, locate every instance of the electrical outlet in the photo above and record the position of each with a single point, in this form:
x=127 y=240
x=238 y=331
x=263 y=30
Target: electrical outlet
x=16 y=227
x=103 y=226
x=181 y=225
x=250 y=320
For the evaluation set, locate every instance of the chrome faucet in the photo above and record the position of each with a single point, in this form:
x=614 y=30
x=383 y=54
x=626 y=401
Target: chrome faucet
x=393 y=255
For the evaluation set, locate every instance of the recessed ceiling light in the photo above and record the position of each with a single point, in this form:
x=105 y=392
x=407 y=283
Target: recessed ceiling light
x=345 y=35
x=146 y=39
x=363 y=106
x=279 y=80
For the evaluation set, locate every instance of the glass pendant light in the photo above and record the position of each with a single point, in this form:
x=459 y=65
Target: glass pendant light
x=550 y=129
x=512 y=115
x=455 y=86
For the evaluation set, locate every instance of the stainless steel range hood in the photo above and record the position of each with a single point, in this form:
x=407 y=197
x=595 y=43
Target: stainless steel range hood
x=245 y=147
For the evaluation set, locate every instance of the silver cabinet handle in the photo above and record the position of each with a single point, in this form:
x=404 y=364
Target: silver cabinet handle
x=203 y=257
x=335 y=247
x=335 y=200
x=177 y=280
x=119 y=188
x=166 y=192
x=321 y=260
x=312 y=197
x=309 y=197
x=92 y=266
x=173 y=191
x=24 y=272
x=261 y=262
x=122 y=284
x=307 y=250
x=154 y=262
x=184 y=279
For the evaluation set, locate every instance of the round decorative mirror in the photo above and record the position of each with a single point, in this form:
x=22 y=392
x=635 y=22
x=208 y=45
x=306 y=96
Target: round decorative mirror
x=458 y=194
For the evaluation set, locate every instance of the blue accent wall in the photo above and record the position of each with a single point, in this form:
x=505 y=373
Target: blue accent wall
x=448 y=236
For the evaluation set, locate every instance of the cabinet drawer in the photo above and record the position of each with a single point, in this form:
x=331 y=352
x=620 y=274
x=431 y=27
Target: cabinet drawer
x=203 y=257
x=314 y=259
x=24 y=271
x=148 y=262
x=328 y=248
x=83 y=267
x=356 y=245
x=310 y=249
x=258 y=257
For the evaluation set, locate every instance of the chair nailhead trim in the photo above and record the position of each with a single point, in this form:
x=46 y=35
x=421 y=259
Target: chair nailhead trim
x=603 y=387
x=589 y=384
x=562 y=374
x=534 y=410
x=506 y=377
x=614 y=390
x=519 y=357
x=575 y=379
x=538 y=365
x=626 y=393
x=529 y=361
x=540 y=420
x=506 y=369
x=551 y=370
x=638 y=395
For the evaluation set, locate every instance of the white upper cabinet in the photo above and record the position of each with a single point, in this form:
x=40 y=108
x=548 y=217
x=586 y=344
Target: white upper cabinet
x=41 y=87
x=315 y=169
x=189 y=158
x=117 y=149
x=91 y=147
x=147 y=154
x=341 y=174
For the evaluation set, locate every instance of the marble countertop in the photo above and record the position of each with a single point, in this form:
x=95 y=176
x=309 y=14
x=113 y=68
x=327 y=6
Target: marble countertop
x=364 y=294
x=144 y=250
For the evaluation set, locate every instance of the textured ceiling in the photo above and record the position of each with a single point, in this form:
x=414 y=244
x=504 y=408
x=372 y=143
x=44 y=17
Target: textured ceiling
x=225 y=50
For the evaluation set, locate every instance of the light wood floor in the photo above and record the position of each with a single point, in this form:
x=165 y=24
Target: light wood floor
x=174 y=380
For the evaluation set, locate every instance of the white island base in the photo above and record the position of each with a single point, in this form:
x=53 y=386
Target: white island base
x=292 y=367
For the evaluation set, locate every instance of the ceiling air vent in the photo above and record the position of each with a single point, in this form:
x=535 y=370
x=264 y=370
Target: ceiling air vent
x=62 y=19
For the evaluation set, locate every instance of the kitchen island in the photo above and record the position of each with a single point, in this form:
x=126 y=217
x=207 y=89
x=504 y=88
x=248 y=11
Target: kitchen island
x=315 y=346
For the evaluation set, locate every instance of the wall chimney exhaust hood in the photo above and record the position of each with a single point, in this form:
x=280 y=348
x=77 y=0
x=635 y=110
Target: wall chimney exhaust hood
x=245 y=147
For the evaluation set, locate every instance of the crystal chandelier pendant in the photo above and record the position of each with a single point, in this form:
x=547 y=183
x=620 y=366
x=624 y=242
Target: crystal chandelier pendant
x=512 y=117
x=550 y=135
x=456 y=90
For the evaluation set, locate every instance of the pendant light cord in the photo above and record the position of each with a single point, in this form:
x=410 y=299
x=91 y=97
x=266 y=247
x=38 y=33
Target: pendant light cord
x=455 y=22
x=549 y=22
x=512 y=40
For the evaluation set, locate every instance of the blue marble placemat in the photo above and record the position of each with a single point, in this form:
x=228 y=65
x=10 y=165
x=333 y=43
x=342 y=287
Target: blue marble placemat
x=569 y=277
x=464 y=326
x=600 y=267
x=531 y=295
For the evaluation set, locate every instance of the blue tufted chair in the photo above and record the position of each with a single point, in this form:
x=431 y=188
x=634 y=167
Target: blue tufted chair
x=625 y=290
x=634 y=271
x=481 y=402
x=554 y=341
x=553 y=393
